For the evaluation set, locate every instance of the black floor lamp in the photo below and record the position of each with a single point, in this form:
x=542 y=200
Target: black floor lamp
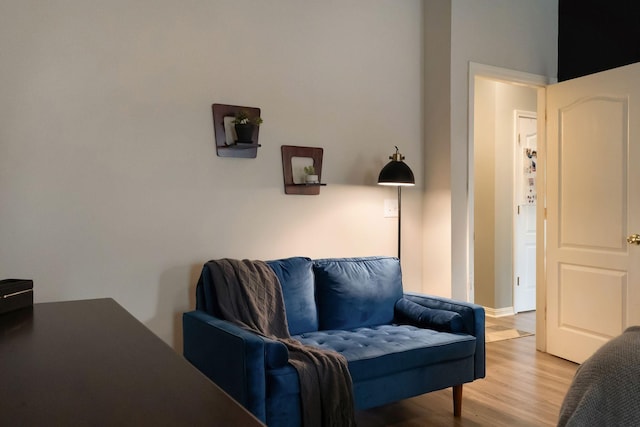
x=397 y=173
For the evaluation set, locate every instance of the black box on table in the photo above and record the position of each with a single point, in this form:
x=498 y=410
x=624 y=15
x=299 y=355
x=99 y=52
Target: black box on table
x=15 y=294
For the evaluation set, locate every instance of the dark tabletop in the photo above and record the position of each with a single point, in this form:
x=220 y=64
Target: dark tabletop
x=92 y=363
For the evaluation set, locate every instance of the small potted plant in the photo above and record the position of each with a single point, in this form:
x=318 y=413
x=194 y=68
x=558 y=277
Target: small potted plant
x=310 y=175
x=245 y=126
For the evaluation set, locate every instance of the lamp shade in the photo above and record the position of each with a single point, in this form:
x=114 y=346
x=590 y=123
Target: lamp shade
x=396 y=172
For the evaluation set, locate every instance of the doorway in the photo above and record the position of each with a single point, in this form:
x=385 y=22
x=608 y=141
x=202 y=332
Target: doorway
x=496 y=97
x=524 y=222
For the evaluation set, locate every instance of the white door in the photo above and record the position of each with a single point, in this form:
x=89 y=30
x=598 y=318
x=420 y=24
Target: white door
x=593 y=204
x=526 y=161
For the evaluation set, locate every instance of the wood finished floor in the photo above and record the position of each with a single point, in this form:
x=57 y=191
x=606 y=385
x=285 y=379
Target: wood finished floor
x=523 y=387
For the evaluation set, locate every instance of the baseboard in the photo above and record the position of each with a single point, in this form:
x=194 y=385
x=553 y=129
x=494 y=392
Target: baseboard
x=499 y=312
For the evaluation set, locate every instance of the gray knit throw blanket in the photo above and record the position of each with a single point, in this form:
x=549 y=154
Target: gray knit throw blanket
x=249 y=294
x=606 y=388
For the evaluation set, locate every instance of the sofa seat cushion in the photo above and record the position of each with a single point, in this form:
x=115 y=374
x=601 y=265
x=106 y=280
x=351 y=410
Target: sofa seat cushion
x=386 y=349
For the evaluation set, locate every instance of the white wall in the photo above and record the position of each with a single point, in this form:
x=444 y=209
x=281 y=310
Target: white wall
x=437 y=153
x=517 y=35
x=484 y=192
x=109 y=181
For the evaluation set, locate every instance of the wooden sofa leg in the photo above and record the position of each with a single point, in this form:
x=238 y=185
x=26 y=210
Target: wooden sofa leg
x=457 y=400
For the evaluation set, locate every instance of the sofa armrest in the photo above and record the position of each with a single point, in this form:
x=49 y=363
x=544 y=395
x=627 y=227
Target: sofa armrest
x=232 y=357
x=472 y=320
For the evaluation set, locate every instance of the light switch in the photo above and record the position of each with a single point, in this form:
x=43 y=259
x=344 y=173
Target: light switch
x=390 y=208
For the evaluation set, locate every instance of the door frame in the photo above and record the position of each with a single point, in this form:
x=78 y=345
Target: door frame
x=539 y=83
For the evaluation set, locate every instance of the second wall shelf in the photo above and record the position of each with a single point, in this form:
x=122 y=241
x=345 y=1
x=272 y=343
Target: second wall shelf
x=315 y=155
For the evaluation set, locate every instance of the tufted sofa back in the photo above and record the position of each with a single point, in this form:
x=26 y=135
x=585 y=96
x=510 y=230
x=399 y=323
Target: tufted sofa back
x=338 y=293
x=356 y=292
x=298 y=290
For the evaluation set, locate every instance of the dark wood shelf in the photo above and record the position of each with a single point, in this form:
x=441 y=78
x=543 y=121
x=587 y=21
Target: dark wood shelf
x=313 y=153
x=240 y=146
x=224 y=147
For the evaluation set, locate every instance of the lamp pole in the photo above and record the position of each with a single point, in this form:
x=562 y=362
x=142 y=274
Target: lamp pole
x=397 y=173
x=399 y=218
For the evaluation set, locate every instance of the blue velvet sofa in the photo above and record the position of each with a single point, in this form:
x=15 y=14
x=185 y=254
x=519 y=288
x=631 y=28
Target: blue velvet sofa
x=397 y=344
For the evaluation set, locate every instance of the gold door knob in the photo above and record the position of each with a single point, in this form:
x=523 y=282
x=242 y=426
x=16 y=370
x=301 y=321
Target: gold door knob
x=634 y=239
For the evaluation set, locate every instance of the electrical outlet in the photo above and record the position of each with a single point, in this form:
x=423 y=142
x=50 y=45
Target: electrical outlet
x=390 y=208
